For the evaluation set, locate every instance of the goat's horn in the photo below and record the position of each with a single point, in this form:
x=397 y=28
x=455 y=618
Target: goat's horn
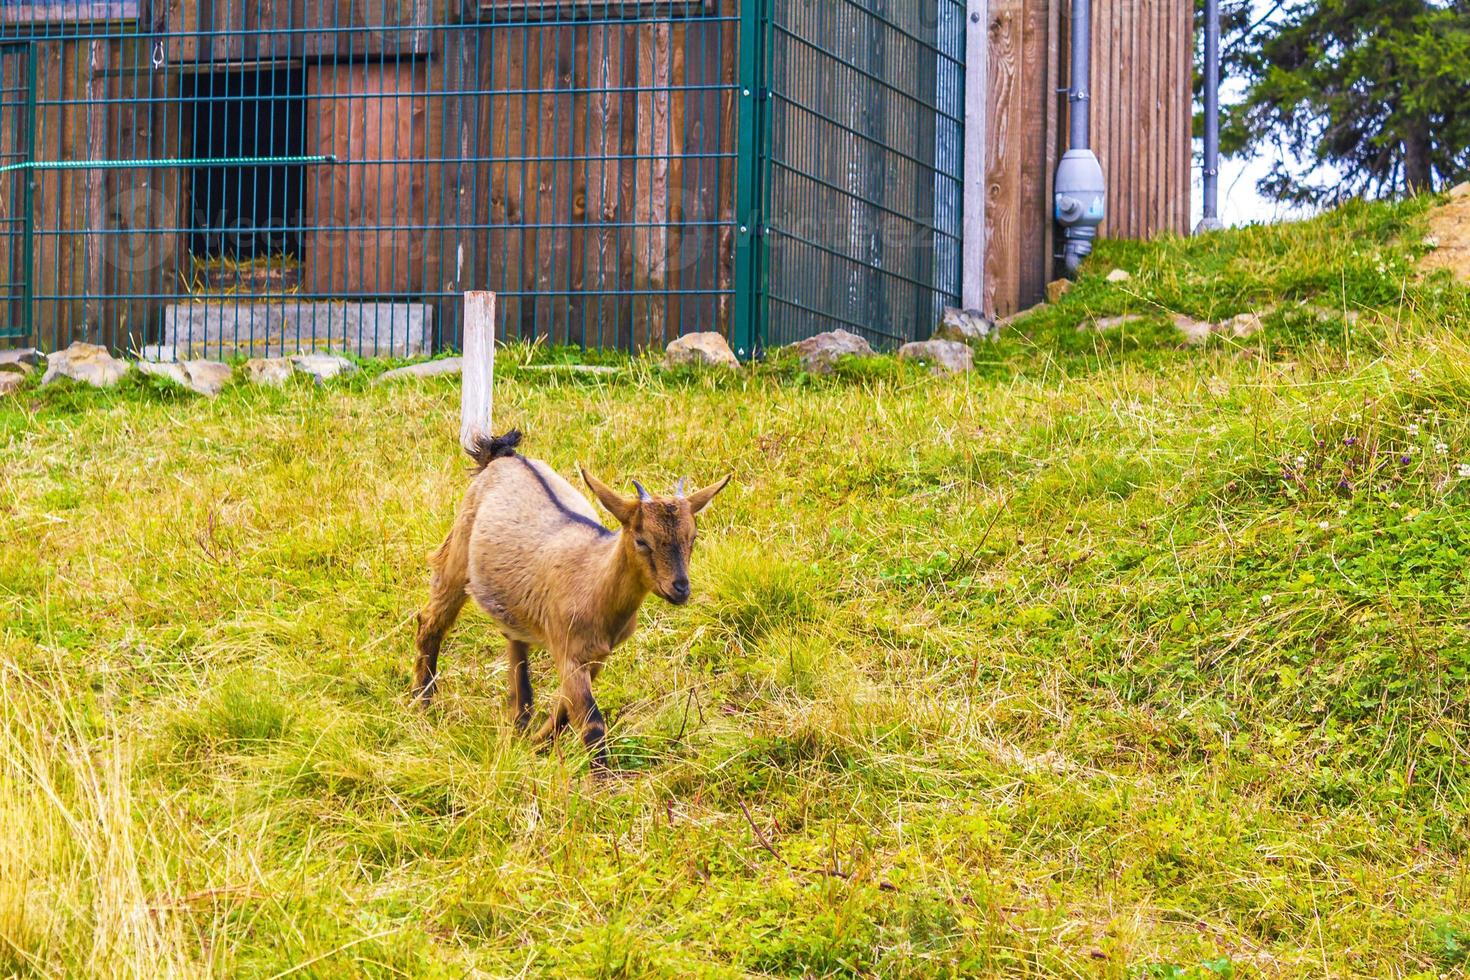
x=642 y=493
x=679 y=487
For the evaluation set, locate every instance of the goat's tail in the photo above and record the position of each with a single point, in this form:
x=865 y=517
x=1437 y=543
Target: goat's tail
x=490 y=448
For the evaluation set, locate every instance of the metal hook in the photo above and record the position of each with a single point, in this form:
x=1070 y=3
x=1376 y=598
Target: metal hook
x=157 y=55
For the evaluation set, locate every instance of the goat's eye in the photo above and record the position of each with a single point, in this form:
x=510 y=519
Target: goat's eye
x=641 y=544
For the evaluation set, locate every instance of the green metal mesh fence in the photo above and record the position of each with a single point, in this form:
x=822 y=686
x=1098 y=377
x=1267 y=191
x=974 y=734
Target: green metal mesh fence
x=861 y=166
x=222 y=177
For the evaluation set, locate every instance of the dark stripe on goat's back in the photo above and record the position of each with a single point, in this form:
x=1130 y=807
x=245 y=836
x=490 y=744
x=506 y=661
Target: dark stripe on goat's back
x=565 y=511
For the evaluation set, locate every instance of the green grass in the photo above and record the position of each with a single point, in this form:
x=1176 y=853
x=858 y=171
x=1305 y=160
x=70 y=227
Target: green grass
x=1113 y=658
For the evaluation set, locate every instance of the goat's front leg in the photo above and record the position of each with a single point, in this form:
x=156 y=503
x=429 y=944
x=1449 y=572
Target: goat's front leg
x=582 y=710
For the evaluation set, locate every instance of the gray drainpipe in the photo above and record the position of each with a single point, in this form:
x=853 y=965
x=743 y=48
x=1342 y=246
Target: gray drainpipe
x=1081 y=193
x=1211 y=219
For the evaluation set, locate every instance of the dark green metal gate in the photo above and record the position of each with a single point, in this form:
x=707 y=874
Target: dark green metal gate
x=17 y=111
x=857 y=139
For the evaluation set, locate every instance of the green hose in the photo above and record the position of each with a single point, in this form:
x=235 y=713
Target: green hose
x=183 y=162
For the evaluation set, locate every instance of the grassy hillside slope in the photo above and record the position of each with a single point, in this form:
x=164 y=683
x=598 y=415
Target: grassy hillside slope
x=1114 y=658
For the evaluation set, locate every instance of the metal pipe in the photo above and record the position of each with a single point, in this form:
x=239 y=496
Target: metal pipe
x=1080 y=192
x=1080 y=95
x=1211 y=174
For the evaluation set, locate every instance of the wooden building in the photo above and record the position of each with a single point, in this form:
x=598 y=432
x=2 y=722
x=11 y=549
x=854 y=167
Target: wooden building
x=266 y=174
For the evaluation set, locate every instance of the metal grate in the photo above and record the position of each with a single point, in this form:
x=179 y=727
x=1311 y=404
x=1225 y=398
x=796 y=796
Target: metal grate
x=226 y=177
x=220 y=177
x=15 y=151
x=862 y=136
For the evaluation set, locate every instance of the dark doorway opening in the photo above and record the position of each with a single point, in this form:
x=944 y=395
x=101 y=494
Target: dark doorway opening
x=242 y=211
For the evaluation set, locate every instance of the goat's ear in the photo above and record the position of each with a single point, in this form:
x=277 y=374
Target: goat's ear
x=617 y=505
x=699 y=499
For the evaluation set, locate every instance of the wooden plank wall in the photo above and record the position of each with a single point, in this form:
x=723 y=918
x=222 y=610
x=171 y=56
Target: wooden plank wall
x=1142 y=69
x=1142 y=60
x=376 y=211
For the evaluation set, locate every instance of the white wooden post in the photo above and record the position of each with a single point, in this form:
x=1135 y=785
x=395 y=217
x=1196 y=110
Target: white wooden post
x=977 y=94
x=478 y=375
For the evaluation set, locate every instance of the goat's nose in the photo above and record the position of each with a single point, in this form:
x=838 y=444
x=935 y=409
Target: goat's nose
x=681 y=589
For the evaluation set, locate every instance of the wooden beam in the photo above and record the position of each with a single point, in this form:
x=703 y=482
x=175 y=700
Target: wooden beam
x=478 y=376
x=977 y=74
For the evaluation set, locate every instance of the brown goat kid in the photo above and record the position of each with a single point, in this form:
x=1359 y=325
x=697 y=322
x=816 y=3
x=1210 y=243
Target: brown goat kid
x=532 y=552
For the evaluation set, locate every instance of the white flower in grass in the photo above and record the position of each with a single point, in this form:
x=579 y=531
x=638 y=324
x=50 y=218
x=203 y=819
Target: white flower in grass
x=1325 y=525
x=1442 y=448
x=1464 y=470
x=1414 y=429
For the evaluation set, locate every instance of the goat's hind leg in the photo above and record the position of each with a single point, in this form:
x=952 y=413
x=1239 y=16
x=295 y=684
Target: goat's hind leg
x=521 y=703
x=446 y=598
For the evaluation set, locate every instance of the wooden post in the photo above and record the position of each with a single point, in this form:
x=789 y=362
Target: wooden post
x=977 y=93
x=479 y=368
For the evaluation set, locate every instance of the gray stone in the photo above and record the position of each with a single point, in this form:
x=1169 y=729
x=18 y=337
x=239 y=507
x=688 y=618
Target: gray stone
x=1194 y=332
x=603 y=369
x=428 y=369
x=278 y=329
x=708 y=349
x=940 y=356
x=205 y=378
x=1119 y=275
x=1012 y=319
x=21 y=359
x=323 y=367
x=1107 y=323
x=11 y=381
x=1325 y=314
x=86 y=363
x=167 y=371
x=820 y=354
x=208 y=377
x=273 y=371
x=964 y=326
x=1243 y=325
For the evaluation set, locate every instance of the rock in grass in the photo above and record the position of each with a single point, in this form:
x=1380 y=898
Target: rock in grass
x=1243 y=325
x=165 y=370
x=819 y=354
x=207 y=378
x=1107 y=323
x=21 y=360
x=708 y=349
x=964 y=326
x=425 y=369
x=591 y=369
x=940 y=356
x=1119 y=275
x=1326 y=314
x=11 y=381
x=87 y=363
x=273 y=371
x=1056 y=289
x=323 y=367
x=1194 y=332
